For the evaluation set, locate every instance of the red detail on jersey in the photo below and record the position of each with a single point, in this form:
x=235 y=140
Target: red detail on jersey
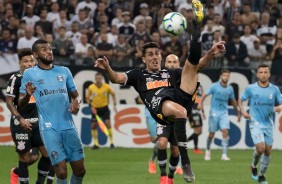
x=32 y=99
x=156 y=84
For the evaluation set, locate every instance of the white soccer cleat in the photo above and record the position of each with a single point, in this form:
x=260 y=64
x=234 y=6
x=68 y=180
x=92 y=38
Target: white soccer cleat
x=225 y=157
x=208 y=155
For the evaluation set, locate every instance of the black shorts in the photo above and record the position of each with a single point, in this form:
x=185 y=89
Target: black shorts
x=25 y=139
x=176 y=95
x=167 y=131
x=195 y=119
x=103 y=112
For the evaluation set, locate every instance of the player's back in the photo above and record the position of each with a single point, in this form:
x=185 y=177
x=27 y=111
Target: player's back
x=52 y=87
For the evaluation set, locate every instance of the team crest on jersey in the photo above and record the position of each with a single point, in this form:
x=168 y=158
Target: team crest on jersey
x=55 y=154
x=60 y=78
x=165 y=75
x=160 y=129
x=21 y=145
x=270 y=96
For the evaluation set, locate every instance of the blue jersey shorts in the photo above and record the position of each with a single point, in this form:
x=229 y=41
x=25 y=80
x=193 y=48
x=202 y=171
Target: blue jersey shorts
x=262 y=135
x=151 y=124
x=218 y=122
x=62 y=145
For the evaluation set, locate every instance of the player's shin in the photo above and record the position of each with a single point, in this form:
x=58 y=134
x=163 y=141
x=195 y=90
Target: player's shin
x=195 y=46
x=224 y=145
x=181 y=138
x=23 y=172
x=256 y=158
x=264 y=164
x=162 y=159
x=75 y=180
x=155 y=152
x=173 y=161
x=44 y=165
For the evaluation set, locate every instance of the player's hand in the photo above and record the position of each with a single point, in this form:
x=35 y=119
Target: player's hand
x=115 y=108
x=74 y=107
x=246 y=115
x=218 y=48
x=200 y=106
x=25 y=124
x=102 y=63
x=30 y=88
x=278 y=108
x=93 y=110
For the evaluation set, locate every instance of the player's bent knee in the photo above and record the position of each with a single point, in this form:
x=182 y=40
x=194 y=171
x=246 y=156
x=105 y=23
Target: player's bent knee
x=162 y=143
x=79 y=173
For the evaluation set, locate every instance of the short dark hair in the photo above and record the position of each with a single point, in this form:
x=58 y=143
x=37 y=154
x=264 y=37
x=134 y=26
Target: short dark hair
x=149 y=45
x=263 y=66
x=24 y=52
x=98 y=73
x=224 y=71
x=38 y=42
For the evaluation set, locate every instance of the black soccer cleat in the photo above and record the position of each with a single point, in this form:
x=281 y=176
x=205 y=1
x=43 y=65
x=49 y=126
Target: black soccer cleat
x=262 y=180
x=254 y=171
x=188 y=174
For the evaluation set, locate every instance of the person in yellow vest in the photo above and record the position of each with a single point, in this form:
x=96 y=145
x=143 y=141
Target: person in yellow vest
x=98 y=98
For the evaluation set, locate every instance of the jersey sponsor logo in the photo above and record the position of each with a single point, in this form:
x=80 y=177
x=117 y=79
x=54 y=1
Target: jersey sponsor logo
x=155 y=101
x=40 y=81
x=48 y=124
x=270 y=96
x=21 y=136
x=156 y=84
x=60 y=78
x=263 y=104
x=21 y=145
x=52 y=92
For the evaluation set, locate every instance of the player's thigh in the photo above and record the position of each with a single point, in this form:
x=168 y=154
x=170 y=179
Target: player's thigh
x=213 y=123
x=268 y=136
x=21 y=138
x=257 y=135
x=224 y=122
x=54 y=145
x=189 y=78
x=73 y=145
x=151 y=126
x=36 y=140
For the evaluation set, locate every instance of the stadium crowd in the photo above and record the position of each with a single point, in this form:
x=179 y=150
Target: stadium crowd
x=81 y=31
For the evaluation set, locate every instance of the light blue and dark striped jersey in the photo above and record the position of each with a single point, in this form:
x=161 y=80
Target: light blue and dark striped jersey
x=220 y=96
x=261 y=103
x=52 y=99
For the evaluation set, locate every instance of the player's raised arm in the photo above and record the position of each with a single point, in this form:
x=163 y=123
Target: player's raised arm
x=217 y=48
x=114 y=77
x=25 y=97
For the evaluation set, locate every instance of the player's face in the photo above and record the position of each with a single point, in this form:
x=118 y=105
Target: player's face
x=26 y=62
x=44 y=54
x=263 y=74
x=99 y=78
x=224 y=77
x=152 y=59
x=172 y=62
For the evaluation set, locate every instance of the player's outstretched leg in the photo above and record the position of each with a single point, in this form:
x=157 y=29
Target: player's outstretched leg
x=50 y=177
x=263 y=167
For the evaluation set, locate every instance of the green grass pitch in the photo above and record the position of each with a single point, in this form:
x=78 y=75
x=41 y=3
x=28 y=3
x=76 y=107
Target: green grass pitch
x=130 y=166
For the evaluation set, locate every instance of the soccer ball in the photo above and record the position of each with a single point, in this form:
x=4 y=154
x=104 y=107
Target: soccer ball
x=174 y=23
